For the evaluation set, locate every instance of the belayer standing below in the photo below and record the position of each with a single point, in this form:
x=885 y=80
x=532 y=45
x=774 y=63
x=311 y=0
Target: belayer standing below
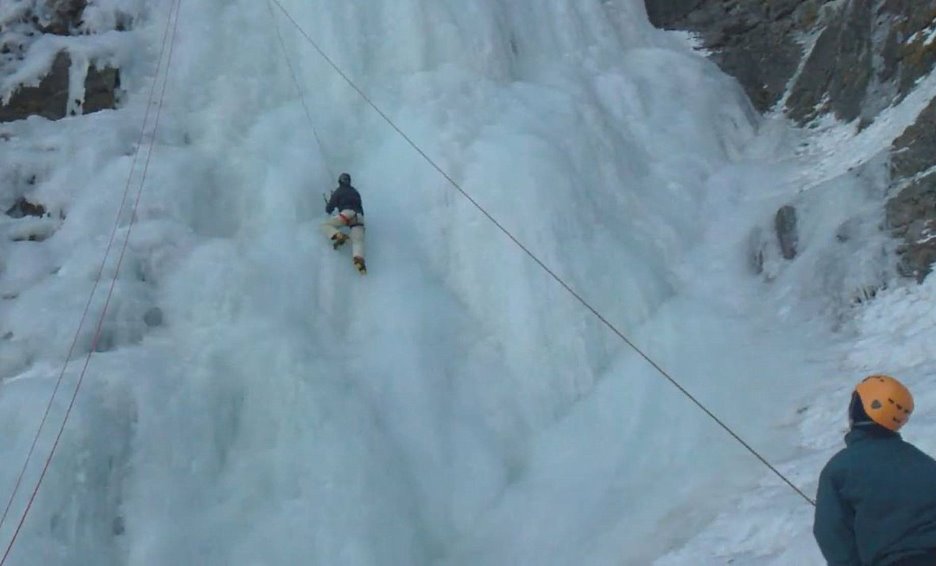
x=347 y=201
x=876 y=504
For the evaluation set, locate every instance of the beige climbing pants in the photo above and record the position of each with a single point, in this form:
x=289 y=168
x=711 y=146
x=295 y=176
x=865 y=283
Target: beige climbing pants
x=352 y=220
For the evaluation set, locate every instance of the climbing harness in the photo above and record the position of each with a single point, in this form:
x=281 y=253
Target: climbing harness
x=352 y=221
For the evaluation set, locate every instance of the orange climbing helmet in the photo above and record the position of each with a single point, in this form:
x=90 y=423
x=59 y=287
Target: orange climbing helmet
x=885 y=400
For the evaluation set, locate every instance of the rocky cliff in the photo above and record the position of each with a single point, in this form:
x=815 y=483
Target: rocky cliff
x=848 y=58
x=55 y=90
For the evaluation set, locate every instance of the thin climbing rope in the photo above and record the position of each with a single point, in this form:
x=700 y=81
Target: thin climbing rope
x=541 y=264
x=97 y=278
x=110 y=292
x=295 y=78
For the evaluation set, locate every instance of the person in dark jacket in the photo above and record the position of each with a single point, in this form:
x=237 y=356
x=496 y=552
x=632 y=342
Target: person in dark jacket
x=347 y=202
x=876 y=504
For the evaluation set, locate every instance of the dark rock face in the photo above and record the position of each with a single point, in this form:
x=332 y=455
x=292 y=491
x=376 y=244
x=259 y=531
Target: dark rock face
x=153 y=317
x=663 y=14
x=22 y=208
x=50 y=98
x=752 y=40
x=911 y=213
x=849 y=58
x=60 y=17
x=101 y=89
x=785 y=225
x=906 y=55
x=912 y=204
x=761 y=43
x=838 y=70
x=915 y=150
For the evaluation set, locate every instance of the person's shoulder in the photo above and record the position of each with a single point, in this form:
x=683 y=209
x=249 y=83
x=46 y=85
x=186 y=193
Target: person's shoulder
x=840 y=461
x=916 y=451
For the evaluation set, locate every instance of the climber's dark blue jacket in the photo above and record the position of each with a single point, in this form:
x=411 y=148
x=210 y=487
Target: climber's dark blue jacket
x=345 y=197
x=876 y=503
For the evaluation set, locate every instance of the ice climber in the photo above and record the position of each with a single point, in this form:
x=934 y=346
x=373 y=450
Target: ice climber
x=347 y=201
x=876 y=504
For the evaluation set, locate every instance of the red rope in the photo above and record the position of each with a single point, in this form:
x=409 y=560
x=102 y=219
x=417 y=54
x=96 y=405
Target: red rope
x=97 y=279
x=174 y=21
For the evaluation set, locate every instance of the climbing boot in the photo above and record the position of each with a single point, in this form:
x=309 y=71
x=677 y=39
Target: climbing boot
x=359 y=264
x=339 y=239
